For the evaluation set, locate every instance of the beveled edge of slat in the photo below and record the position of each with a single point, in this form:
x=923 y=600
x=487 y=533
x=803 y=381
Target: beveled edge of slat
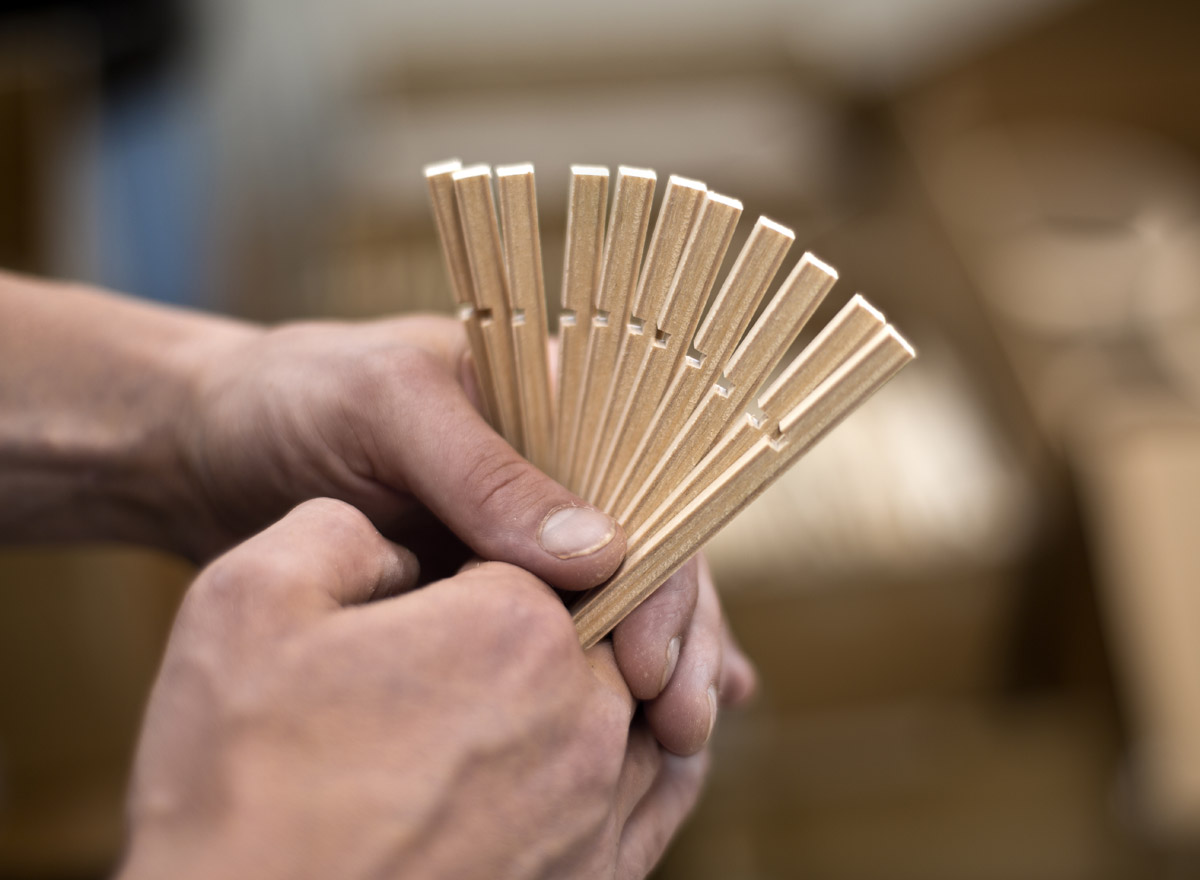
x=446 y=166
x=514 y=170
x=763 y=220
x=687 y=182
x=590 y=171
x=480 y=170
x=630 y=171
x=812 y=259
x=724 y=200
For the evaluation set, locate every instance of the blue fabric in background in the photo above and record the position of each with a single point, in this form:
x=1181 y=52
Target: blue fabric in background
x=155 y=193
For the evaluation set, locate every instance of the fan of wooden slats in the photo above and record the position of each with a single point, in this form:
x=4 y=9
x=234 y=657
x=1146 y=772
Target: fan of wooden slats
x=665 y=421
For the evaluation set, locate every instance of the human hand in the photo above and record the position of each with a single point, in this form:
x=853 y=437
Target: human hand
x=379 y=415
x=314 y=719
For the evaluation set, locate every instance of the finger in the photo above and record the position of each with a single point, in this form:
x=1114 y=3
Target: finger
x=684 y=714
x=643 y=762
x=503 y=507
x=608 y=674
x=660 y=813
x=323 y=555
x=648 y=641
x=739 y=680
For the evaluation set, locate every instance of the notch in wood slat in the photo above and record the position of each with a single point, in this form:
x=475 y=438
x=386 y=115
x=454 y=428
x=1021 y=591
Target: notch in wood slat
x=517 y=196
x=654 y=559
x=586 y=209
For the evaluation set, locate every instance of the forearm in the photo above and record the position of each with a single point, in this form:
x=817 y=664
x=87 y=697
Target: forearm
x=92 y=389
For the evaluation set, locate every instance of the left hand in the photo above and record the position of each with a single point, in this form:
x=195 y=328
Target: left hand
x=379 y=415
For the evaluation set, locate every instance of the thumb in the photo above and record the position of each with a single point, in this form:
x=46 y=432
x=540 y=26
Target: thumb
x=498 y=503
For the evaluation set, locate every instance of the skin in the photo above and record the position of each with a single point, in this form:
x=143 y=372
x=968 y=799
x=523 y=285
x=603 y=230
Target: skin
x=122 y=420
x=319 y=746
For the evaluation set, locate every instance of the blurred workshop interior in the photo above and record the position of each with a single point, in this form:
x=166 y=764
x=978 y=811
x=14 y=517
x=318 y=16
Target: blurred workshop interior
x=975 y=608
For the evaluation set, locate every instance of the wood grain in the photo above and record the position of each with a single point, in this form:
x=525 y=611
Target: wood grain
x=626 y=236
x=481 y=236
x=753 y=360
x=439 y=178
x=676 y=323
x=586 y=209
x=837 y=342
x=676 y=216
x=731 y=311
x=653 y=559
x=517 y=196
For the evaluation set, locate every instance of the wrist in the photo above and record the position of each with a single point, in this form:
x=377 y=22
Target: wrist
x=97 y=388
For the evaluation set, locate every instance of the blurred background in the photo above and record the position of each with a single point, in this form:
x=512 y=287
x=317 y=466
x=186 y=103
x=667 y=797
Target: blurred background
x=975 y=608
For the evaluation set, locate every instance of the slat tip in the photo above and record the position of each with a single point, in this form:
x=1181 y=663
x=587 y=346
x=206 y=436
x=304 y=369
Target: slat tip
x=778 y=227
x=687 y=182
x=473 y=171
x=904 y=343
x=514 y=170
x=646 y=173
x=816 y=262
x=589 y=171
x=446 y=166
x=858 y=301
x=724 y=200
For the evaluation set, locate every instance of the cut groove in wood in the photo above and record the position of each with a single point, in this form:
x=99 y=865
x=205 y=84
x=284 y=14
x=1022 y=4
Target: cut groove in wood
x=481 y=235
x=654 y=559
x=850 y=330
x=731 y=310
x=677 y=320
x=677 y=214
x=587 y=205
x=517 y=195
x=780 y=323
x=439 y=178
x=627 y=223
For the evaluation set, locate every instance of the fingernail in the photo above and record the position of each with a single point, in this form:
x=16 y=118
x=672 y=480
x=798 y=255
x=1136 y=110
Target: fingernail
x=712 y=711
x=672 y=659
x=575 y=531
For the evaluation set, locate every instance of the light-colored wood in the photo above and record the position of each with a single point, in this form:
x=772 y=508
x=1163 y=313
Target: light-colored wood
x=626 y=236
x=517 y=195
x=676 y=216
x=653 y=559
x=481 y=235
x=440 y=180
x=721 y=329
x=780 y=323
x=676 y=323
x=851 y=329
x=587 y=205
x=856 y=323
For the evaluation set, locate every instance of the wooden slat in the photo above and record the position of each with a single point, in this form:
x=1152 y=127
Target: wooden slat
x=850 y=330
x=676 y=323
x=653 y=560
x=440 y=179
x=626 y=236
x=587 y=205
x=517 y=195
x=676 y=216
x=753 y=360
x=722 y=327
x=481 y=235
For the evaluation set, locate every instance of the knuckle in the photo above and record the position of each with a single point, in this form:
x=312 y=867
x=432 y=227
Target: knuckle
x=383 y=372
x=414 y=363
x=500 y=479
x=530 y=613
x=225 y=591
x=339 y=521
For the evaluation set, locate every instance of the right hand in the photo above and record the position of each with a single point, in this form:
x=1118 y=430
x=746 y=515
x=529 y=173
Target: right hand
x=314 y=719
x=380 y=415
